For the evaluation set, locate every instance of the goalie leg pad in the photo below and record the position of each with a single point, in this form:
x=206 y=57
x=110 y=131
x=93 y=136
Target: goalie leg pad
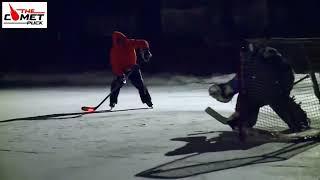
x=291 y=113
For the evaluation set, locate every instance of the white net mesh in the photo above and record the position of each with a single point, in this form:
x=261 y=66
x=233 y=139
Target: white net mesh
x=304 y=94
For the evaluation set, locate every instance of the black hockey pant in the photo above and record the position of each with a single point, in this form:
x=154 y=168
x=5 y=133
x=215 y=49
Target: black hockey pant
x=135 y=78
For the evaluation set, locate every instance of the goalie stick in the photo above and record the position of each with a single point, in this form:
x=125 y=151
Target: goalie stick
x=216 y=115
x=311 y=134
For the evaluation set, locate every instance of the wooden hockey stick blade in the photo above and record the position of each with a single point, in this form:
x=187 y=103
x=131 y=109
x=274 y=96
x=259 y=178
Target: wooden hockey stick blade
x=216 y=115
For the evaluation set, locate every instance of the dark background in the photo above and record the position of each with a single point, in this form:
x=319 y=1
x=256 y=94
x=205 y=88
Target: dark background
x=196 y=37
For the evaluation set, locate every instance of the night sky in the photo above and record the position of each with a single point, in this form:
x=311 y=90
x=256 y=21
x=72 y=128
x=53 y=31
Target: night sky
x=186 y=36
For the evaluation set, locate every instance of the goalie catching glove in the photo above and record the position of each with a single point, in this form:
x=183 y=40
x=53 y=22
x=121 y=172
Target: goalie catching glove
x=221 y=92
x=224 y=92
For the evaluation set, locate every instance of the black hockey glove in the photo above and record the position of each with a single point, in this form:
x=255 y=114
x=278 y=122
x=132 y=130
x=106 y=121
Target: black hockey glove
x=145 y=54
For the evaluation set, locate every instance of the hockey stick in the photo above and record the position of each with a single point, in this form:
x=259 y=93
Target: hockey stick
x=92 y=109
x=216 y=115
x=312 y=134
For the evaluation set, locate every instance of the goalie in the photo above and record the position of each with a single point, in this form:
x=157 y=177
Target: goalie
x=264 y=78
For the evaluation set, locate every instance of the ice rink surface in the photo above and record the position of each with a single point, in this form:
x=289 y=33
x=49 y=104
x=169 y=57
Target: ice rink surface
x=176 y=139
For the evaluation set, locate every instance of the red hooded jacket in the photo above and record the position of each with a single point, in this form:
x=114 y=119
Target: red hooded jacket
x=123 y=54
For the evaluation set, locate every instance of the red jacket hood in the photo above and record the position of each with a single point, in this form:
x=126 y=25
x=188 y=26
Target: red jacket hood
x=118 y=38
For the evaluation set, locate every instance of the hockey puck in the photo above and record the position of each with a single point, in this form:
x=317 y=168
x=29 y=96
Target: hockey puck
x=87 y=109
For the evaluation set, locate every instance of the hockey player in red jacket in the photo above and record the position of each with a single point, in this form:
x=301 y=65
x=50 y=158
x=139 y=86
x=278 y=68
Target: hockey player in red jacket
x=123 y=61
